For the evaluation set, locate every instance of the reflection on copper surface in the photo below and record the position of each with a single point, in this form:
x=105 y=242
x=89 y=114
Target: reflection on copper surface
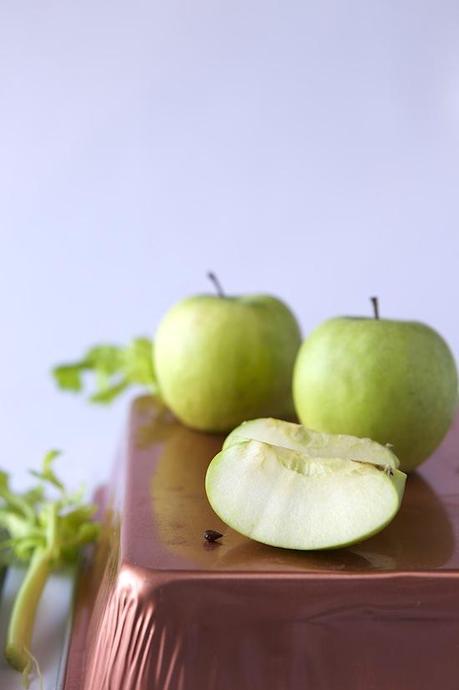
x=180 y=508
x=159 y=608
x=421 y=536
x=157 y=421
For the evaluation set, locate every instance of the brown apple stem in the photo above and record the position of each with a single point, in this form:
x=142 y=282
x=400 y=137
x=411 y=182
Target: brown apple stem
x=216 y=283
x=375 y=303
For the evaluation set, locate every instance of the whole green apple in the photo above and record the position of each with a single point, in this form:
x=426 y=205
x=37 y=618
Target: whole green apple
x=392 y=381
x=221 y=360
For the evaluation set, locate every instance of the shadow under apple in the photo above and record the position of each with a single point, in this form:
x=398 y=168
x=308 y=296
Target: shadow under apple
x=419 y=538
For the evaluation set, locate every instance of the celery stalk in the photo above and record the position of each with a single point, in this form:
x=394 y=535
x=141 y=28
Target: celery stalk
x=45 y=534
x=22 y=620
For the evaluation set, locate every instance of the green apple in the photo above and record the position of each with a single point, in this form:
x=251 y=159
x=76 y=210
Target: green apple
x=220 y=360
x=297 y=437
x=313 y=498
x=392 y=381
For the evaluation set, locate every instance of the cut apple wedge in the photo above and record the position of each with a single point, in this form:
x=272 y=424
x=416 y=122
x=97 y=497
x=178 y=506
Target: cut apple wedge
x=313 y=443
x=295 y=500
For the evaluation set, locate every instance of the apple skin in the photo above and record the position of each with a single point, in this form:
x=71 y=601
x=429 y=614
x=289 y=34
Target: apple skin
x=290 y=499
x=392 y=381
x=221 y=360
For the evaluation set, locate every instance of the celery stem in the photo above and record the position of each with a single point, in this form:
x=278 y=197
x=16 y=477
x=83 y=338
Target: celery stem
x=24 y=610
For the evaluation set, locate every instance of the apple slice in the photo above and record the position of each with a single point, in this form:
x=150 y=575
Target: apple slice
x=314 y=443
x=296 y=500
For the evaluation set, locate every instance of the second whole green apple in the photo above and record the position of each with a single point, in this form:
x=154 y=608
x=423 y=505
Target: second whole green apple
x=220 y=360
x=392 y=381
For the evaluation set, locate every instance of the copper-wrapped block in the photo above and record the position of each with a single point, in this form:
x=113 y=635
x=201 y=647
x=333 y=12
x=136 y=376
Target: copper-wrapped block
x=161 y=608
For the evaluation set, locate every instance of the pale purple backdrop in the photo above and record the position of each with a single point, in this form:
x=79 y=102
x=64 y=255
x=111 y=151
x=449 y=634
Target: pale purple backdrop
x=307 y=149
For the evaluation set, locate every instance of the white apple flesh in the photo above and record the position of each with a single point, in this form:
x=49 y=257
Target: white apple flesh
x=314 y=443
x=299 y=500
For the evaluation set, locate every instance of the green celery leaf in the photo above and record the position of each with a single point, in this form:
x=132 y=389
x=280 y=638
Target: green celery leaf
x=47 y=473
x=106 y=394
x=114 y=368
x=69 y=376
x=107 y=359
x=44 y=533
x=138 y=362
x=20 y=504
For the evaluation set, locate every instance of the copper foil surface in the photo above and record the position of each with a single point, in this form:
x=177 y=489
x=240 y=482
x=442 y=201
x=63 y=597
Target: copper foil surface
x=159 y=608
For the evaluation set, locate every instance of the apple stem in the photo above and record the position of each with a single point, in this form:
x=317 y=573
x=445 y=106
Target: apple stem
x=216 y=283
x=375 y=303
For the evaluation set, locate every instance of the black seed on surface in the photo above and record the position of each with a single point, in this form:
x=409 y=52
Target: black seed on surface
x=212 y=535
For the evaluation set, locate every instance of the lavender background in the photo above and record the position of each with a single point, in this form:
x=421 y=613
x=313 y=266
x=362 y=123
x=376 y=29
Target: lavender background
x=306 y=149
